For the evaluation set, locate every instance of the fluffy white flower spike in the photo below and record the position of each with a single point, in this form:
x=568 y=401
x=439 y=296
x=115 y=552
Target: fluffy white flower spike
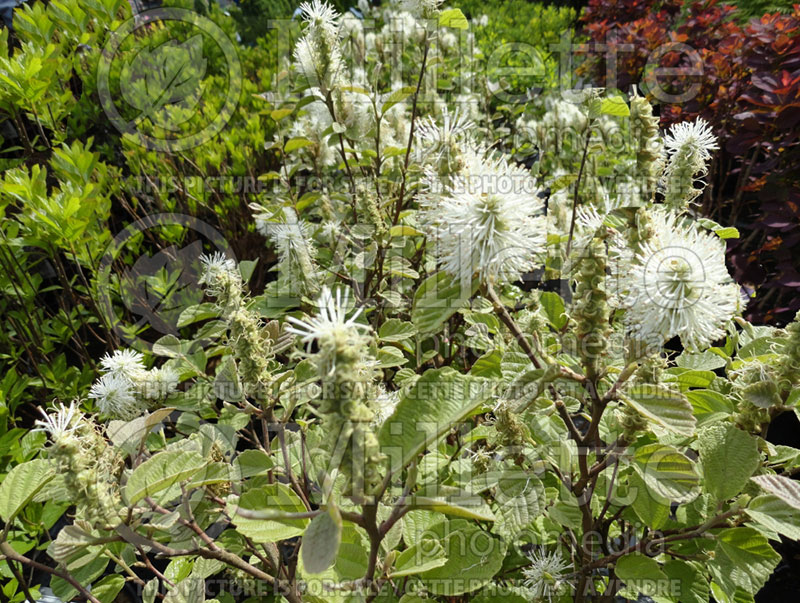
x=124 y=363
x=694 y=138
x=60 y=424
x=294 y=244
x=318 y=52
x=678 y=285
x=115 y=397
x=454 y=126
x=688 y=146
x=214 y=265
x=488 y=221
x=546 y=575
x=331 y=323
x=320 y=13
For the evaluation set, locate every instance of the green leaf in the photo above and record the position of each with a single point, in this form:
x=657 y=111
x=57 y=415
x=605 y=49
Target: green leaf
x=473 y=558
x=197 y=313
x=453 y=17
x=403 y=230
x=321 y=541
x=398 y=96
x=417 y=523
x=709 y=406
x=641 y=574
x=390 y=356
x=279 y=114
x=253 y=462
x=763 y=394
x=691 y=378
x=467 y=507
x=653 y=511
x=297 y=143
x=554 y=309
x=276 y=502
x=521 y=499
x=693 y=585
x=752 y=555
x=729 y=457
x=437 y=299
x=108 y=588
x=788 y=490
x=21 y=485
x=425 y=555
x=160 y=472
x=668 y=474
x=488 y=365
x=615 y=105
x=775 y=514
x=86 y=574
x=395 y=330
x=188 y=590
x=501 y=593
x=727 y=233
x=150 y=591
x=353 y=557
x=703 y=361
x=128 y=435
x=440 y=399
x=669 y=409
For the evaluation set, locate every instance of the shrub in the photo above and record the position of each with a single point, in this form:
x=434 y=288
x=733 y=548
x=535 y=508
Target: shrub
x=406 y=410
x=748 y=91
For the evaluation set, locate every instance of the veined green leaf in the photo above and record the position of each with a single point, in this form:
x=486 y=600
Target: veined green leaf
x=615 y=105
x=278 y=503
x=321 y=541
x=469 y=566
x=437 y=299
x=453 y=17
x=425 y=555
x=775 y=514
x=784 y=488
x=160 y=472
x=752 y=555
x=669 y=409
x=21 y=485
x=666 y=472
x=439 y=400
x=729 y=457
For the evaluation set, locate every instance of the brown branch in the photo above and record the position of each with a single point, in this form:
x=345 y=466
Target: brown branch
x=11 y=554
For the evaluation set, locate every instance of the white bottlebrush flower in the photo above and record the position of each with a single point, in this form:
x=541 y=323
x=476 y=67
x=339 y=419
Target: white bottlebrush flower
x=488 y=220
x=60 y=424
x=222 y=280
x=158 y=383
x=318 y=53
x=678 y=285
x=440 y=140
x=694 y=138
x=216 y=265
x=319 y=13
x=688 y=146
x=124 y=363
x=115 y=397
x=331 y=323
x=546 y=576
